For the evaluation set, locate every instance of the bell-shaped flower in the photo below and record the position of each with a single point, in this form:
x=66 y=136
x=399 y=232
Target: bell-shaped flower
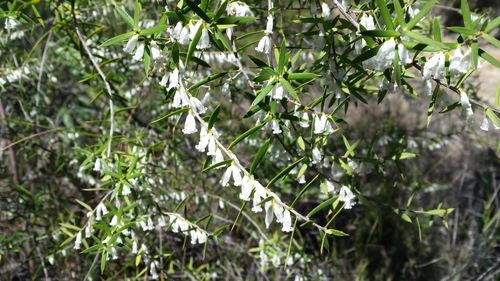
x=277 y=92
x=456 y=66
x=287 y=222
x=97 y=165
x=246 y=188
x=269 y=25
x=239 y=9
x=194 y=29
x=155 y=51
x=176 y=33
x=305 y=122
x=190 y=124
x=325 y=9
x=464 y=100
x=264 y=45
x=164 y=81
x=132 y=42
x=197 y=106
x=78 y=241
x=275 y=126
x=430 y=67
x=321 y=125
x=404 y=57
x=332 y=187
x=234 y=171
x=347 y=196
x=316 y=156
x=204 y=42
x=485 y=126
x=204 y=139
x=139 y=53
x=385 y=55
x=184 y=36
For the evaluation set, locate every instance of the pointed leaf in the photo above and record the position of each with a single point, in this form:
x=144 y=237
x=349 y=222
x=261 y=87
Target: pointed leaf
x=260 y=154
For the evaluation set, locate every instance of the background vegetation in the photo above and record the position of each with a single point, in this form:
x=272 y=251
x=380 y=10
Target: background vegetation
x=429 y=210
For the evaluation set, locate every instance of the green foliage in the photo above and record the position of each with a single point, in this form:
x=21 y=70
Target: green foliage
x=151 y=141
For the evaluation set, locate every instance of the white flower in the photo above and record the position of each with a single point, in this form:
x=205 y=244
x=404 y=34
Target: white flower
x=204 y=139
x=322 y=125
x=331 y=187
x=246 y=188
x=485 y=126
x=134 y=247
x=235 y=172
x=367 y=21
x=430 y=67
x=239 y=9
x=277 y=91
x=346 y=196
x=190 y=124
x=464 y=100
x=174 y=79
x=194 y=29
x=326 y=11
x=305 y=123
x=184 y=36
x=218 y=158
x=275 y=126
x=11 y=23
x=125 y=190
x=456 y=66
x=78 y=241
x=164 y=81
x=269 y=25
x=256 y=200
x=155 y=51
x=198 y=107
x=259 y=194
x=204 y=42
x=114 y=220
x=132 y=42
x=440 y=73
x=162 y=222
x=139 y=53
x=316 y=156
x=97 y=165
x=337 y=171
x=176 y=33
x=385 y=55
x=287 y=222
x=152 y=270
x=404 y=58
x=264 y=45
x=180 y=98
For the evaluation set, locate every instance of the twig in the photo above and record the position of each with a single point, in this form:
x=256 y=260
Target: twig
x=103 y=77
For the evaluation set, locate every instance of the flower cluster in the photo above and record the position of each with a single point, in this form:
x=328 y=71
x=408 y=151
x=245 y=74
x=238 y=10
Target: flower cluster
x=184 y=34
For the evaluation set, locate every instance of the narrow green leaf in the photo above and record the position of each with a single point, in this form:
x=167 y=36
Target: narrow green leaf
x=126 y=17
x=118 y=38
x=492 y=25
x=301 y=144
x=321 y=206
x=198 y=11
x=336 y=232
x=219 y=164
x=350 y=148
x=137 y=12
x=176 y=112
x=381 y=33
x=475 y=53
x=282 y=58
x=426 y=40
x=284 y=172
x=386 y=15
x=154 y=30
x=489 y=58
x=309 y=184
x=192 y=45
x=464 y=31
x=493 y=117
x=222 y=9
x=451 y=107
x=301 y=76
x=497 y=96
x=366 y=55
x=260 y=154
x=245 y=135
x=464 y=7
x=70 y=226
x=263 y=92
x=206 y=80
x=400 y=15
x=147 y=58
x=423 y=12
x=432 y=104
x=175 y=52
x=436 y=30
x=103 y=262
x=84 y=205
x=213 y=117
x=289 y=88
x=492 y=40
